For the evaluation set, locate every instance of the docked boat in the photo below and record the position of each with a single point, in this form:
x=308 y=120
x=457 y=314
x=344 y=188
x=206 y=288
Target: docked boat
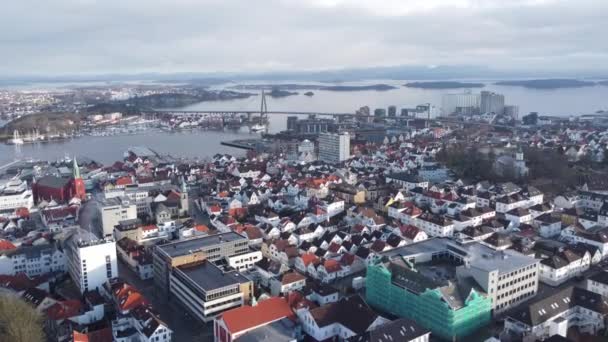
x=17 y=140
x=258 y=128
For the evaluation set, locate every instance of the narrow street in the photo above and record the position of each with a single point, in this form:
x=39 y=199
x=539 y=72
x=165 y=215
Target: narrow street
x=184 y=327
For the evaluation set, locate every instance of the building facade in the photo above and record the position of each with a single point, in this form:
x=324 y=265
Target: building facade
x=333 y=147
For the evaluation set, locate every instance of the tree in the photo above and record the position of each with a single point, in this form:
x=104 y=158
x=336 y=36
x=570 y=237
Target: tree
x=19 y=322
x=530 y=119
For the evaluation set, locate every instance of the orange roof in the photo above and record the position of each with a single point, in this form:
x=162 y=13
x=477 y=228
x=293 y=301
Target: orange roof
x=201 y=228
x=332 y=266
x=248 y=317
x=101 y=335
x=124 y=181
x=307 y=258
x=6 y=245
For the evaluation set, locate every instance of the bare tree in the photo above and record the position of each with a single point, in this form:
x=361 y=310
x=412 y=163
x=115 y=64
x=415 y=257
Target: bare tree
x=19 y=322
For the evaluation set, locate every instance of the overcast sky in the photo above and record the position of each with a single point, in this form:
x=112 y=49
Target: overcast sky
x=50 y=37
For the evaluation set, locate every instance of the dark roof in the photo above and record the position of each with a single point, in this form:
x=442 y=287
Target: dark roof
x=601 y=277
x=351 y=312
x=53 y=182
x=210 y=277
x=402 y=329
x=563 y=300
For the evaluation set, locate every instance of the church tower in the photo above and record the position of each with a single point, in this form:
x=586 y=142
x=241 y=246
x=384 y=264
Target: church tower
x=184 y=198
x=78 y=188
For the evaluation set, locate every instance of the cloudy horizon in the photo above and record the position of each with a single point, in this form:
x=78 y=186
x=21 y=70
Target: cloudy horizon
x=136 y=36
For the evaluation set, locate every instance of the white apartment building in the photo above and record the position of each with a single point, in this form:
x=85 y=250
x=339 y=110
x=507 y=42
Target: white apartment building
x=244 y=261
x=116 y=209
x=464 y=103
x=598 y=283
x=333 y=147
x=91 y=261
x=139 y=195
x=563 y=266
x=32 y=260
x=15 y=194
x=554 y=315
x=508 y=277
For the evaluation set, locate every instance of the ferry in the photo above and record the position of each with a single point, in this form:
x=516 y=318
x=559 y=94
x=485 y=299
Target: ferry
x=258 y=128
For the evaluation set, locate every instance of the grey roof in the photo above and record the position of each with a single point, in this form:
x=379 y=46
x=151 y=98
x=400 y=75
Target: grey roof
x=402 y=329
x=52 y=182
x=478 y=255
x=191 y=245
x=210 y=277
x=563 y=300
x=279 y=331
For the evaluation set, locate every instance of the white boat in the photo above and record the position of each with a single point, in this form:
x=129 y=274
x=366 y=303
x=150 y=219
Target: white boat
x=16 y=139
x=258 y=128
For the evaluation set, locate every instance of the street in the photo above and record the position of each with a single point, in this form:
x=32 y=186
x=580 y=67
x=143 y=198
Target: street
x=184 y=328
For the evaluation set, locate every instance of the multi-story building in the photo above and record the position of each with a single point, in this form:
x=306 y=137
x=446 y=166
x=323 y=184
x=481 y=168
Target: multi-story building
x=554 y=315
x=32 y=260
x=206 y=289
x=192 y=251
x=429 y=296
x=463 y=104
x=492 y=102
x=507 y=277
x=333 y=147
x=116 y=209
x=91 y=261
x=15 y=194
x=598 y=283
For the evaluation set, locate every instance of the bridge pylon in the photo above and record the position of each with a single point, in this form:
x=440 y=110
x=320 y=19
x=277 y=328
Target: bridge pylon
x=263 y=107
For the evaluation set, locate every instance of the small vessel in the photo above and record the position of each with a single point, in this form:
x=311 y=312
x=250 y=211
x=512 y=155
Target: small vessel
x=258 y=128
x=16 y=139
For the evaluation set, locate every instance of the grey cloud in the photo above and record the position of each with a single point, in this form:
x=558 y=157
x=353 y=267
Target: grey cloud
x=70 y=36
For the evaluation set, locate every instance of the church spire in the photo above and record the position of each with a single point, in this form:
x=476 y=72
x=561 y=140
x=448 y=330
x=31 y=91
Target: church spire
x=76 y=169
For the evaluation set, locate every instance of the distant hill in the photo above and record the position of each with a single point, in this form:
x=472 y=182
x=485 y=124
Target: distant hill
x=443 y=85
x=555 y=83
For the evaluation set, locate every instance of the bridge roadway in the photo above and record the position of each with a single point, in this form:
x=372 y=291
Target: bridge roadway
x=250 y=112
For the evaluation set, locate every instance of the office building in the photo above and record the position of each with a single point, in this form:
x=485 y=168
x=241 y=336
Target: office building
x=192 y=251
x=379 y=112
x=392 y=111
x=460 y=104
x=91 y=261
x=492 y=102
x=334 y=147
x=310 y=125
x=15 y=194
x=205 y=289
x=512 y=111
x=116 y=209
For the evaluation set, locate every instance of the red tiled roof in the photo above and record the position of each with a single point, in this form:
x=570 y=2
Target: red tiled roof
x=101 y=335
x=307 y=258
x=331 y=266
x=248 y=317
x=6 y=245
x=64 y=310
x=124 y=181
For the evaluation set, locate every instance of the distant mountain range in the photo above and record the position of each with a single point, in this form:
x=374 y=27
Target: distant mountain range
x=419 y=73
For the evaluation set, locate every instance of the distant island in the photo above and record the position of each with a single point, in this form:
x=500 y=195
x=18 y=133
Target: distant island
x=376 y=87
x=604 y=83
x=555 y=83
x=276 y=92
x=175 y=100
x=309 y=93
x=443 y=85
